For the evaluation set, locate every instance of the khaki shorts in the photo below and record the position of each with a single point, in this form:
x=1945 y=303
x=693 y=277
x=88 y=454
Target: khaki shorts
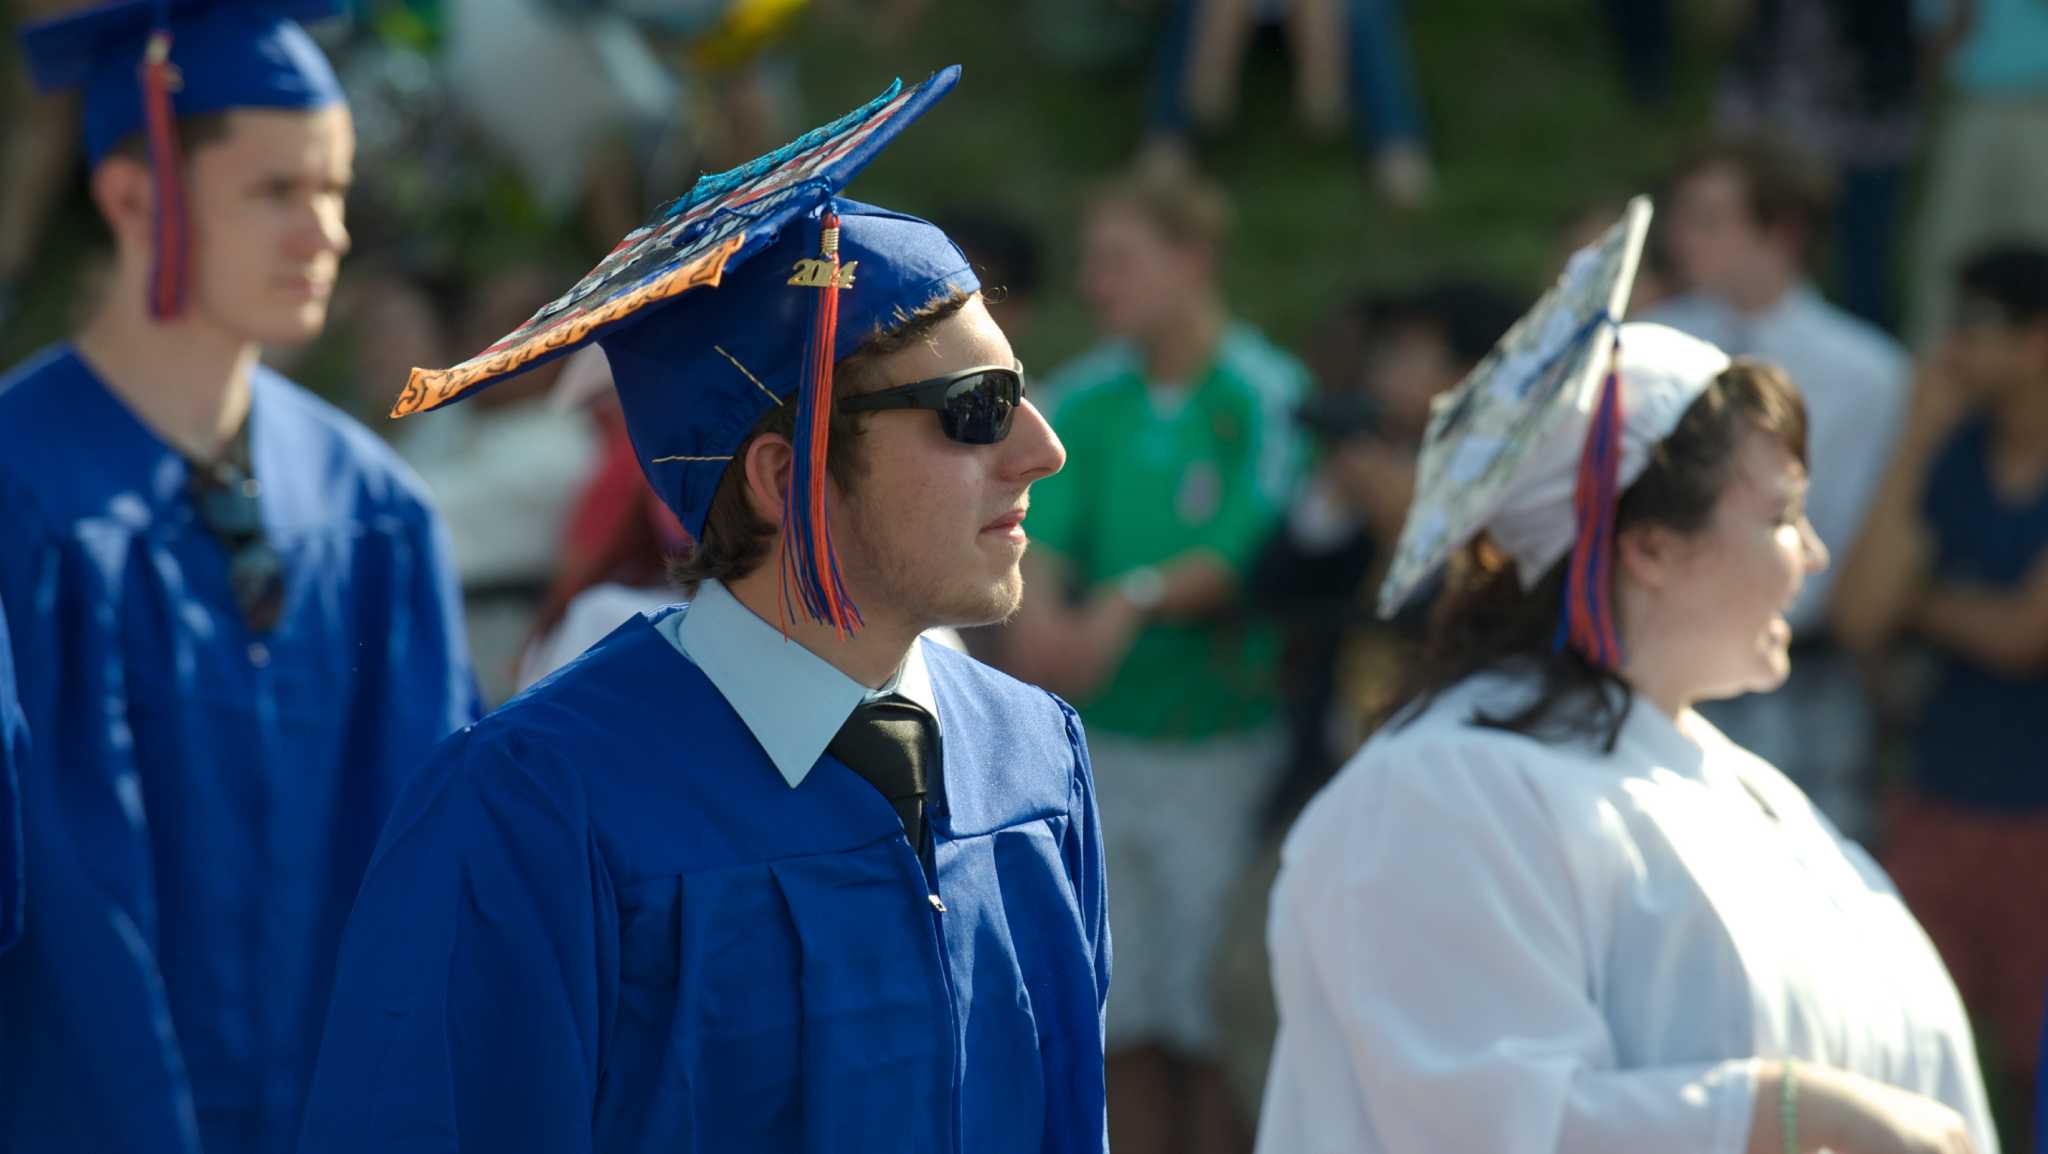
x=1179 y=828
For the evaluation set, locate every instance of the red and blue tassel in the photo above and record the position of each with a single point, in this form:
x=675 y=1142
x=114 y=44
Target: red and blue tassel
x=169 y=272
x=1589 y=625
x=809 y=566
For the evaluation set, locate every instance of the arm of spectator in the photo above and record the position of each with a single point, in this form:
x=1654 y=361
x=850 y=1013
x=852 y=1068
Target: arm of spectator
x=1205 y=579
x=1198 y=583
x=2004 y=630
x=1070 y=649
x=1376 y=480
x=1887 y=568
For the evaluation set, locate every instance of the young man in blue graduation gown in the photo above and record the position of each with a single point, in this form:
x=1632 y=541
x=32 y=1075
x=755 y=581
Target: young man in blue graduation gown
x=233 y=611
x=765 y=872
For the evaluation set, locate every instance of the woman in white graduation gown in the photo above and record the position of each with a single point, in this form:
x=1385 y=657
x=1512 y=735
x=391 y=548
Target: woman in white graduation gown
x=1548 y=909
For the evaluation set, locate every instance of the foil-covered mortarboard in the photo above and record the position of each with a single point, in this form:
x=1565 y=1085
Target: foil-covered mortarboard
x=1536 y=445
x=737 y=297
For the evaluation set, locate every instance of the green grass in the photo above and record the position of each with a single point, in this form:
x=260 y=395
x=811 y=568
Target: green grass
x=1522 y=100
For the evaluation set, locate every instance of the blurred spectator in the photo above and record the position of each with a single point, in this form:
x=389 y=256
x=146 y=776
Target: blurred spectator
x=1346 y=53
x=1841 y=77
x=581 y=138
x=1988 y=176
x=428 y=193
x=504 y=469
x=1744 y=217
x=1378 y=362
x=1005 y=254
x=1089 y=35
x=1367 y=418
x=1956 y=557
x=390 y=323
x=1646 y=46
x=1182 y=456
x=1656 y=281
x=40 y=154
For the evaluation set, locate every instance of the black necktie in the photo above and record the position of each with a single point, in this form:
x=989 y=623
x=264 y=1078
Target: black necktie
x=893 y=743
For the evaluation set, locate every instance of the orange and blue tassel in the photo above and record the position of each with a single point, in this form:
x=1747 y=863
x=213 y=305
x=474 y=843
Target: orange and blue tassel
x=1588 y=626
x=170 y=269
x=809 y=566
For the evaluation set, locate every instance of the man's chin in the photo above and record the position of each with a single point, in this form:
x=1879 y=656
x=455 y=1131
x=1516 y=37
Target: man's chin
x=296 y=327
x=993 y=604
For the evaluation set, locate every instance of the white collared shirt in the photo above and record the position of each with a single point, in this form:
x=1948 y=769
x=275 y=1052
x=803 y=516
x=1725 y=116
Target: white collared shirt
x=791 y=700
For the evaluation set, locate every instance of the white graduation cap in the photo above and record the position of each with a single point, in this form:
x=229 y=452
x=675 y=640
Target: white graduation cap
x=1536 y=444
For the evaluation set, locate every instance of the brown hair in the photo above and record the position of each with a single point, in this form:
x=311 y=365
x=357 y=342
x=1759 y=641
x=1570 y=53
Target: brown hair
x=1782 y=185
x=735 y=540
x=1184 y=206
x=194 y=133
x=1484 y=620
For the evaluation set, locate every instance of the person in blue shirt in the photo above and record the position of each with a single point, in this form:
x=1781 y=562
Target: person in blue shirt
x=1955 y=561
x=233 y=610
x=765 y=872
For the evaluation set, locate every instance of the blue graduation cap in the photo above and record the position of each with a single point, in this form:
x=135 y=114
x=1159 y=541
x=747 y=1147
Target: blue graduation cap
x=142 y=64
x=735 y=298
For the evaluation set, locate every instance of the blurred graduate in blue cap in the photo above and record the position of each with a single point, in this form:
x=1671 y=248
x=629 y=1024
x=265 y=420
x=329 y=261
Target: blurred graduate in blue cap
x=764 y=872
x=231 y=604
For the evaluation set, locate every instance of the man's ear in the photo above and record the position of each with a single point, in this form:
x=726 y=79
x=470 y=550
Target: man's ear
x=1650 y=554
x=121 y=189
x=765 y=468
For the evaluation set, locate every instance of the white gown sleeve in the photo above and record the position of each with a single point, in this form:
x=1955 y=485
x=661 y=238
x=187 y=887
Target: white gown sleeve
x=1438 y=973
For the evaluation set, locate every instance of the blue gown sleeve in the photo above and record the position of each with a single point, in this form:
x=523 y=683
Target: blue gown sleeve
x=439 y=640
x=1084 y=862
x=477 y=969
x=15 y=584
x=13 y=750
x=92 y=970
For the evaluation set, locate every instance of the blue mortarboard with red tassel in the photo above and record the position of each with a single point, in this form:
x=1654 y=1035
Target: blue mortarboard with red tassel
x=735 y=298
x=144 y=64
x=1536 y=445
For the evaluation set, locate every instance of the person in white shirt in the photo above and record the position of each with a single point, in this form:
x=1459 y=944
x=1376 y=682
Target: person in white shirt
x=1549 y=909
x=1745 y=216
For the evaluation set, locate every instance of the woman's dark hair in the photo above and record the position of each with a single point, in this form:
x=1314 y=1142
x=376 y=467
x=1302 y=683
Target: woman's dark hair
x=1484 y=620
x=735 y=540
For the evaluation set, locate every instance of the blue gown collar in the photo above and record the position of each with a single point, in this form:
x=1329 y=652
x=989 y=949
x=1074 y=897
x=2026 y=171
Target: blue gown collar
x=129 y=455
x=790 y=699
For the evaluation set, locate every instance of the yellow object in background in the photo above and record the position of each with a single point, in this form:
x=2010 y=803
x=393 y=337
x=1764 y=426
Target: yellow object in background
x=748 y=27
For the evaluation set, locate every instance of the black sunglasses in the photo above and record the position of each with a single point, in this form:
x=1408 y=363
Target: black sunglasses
x=974 y=405
x=227 y=500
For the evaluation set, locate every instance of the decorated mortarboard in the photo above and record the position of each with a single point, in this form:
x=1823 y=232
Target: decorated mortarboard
x=1535 y=446
x=735 y=298
x=143 y=64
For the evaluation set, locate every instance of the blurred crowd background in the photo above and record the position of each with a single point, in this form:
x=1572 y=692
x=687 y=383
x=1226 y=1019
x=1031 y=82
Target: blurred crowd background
x=1318 y=214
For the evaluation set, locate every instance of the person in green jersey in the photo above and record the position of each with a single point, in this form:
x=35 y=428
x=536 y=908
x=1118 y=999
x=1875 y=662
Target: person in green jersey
x=1183 y=455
